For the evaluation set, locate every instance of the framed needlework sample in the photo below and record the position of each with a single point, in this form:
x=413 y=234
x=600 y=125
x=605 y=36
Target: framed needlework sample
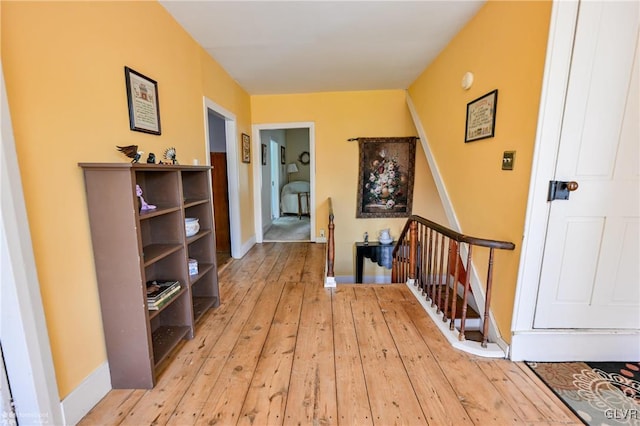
x=481 y=117
x=142 y=97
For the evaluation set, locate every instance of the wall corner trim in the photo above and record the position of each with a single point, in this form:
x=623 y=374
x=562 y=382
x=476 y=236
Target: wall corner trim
x=478 y=290
x=433 y=165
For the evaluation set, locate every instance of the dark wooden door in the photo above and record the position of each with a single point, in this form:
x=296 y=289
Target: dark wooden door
x=220 y=201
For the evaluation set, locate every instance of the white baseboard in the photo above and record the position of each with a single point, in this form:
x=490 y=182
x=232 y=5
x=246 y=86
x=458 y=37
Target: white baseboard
x=367 y=279
x=246 y=246
x=575 y=345
x=492 y=350
x=84 y=397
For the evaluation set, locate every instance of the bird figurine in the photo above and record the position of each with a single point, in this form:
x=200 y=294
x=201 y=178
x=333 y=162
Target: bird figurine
x=130 y=151
x=170 y=154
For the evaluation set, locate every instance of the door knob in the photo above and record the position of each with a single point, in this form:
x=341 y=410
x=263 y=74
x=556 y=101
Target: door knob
x=559 y=190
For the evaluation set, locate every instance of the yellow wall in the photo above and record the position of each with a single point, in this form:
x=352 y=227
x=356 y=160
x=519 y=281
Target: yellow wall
x=64 y=71
x=339 y=116
x=504 y=47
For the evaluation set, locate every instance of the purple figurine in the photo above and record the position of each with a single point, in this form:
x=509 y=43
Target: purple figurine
x=144 y=206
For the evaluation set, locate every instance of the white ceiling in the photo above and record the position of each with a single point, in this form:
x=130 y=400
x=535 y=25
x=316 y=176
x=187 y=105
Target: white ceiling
x=278 y=47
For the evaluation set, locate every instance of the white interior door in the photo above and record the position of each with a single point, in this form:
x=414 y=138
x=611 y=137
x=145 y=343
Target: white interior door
x=590 y=274
x=7 y=409
x=275 y=179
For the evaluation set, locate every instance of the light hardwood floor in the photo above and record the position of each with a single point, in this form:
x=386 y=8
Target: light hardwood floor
x=281 y=349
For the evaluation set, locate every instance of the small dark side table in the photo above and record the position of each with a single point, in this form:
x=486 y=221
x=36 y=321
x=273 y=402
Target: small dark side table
x=377 y=252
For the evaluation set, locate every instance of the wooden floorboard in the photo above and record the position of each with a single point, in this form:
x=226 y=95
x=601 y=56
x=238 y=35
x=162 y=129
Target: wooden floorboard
x=351 y=387
x=282 y=350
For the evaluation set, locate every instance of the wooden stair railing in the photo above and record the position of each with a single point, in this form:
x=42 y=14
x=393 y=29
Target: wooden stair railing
x=330 y=278
x=429 y=256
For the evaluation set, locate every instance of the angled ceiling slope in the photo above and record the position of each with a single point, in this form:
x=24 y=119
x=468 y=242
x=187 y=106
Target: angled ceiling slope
x=279 y=47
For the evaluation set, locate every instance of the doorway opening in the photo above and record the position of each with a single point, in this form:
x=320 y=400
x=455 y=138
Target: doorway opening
x=220 y=132
x=219 y=185
x=285 y=182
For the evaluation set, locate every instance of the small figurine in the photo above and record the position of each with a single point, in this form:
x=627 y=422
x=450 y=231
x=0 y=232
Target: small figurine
x=170 y=154
x=131 y=151
x=366 y=238
x=144 y=206
x=151 y=159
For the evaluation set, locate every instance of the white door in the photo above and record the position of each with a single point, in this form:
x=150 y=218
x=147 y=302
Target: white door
x=590 y=274
x=8 y=411
x=275 y=179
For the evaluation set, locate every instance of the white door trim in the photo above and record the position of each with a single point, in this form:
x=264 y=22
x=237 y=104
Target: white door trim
x=257 y=175
x=23 y=328
x=528 y=343
x=554 y=87
x=232 y=171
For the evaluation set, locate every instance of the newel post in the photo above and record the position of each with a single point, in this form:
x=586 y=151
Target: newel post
x=331 y=252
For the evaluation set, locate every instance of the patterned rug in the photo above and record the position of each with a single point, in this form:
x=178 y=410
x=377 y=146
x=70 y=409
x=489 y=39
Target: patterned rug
x=600 y=393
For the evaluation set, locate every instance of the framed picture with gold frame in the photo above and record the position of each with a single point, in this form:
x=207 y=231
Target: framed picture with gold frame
x=385 y=180
x=246 y=148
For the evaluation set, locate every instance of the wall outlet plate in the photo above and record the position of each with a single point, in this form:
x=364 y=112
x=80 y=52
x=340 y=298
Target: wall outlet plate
x=508 y=158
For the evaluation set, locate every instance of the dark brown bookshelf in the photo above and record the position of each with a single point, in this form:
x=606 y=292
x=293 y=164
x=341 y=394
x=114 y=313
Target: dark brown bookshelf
x=132 y=247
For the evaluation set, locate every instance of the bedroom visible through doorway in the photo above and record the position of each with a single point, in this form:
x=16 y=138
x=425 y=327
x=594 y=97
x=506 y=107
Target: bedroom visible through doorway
x=289 y=228
x=284 y=203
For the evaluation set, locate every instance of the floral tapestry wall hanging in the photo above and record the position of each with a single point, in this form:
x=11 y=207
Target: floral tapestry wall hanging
x=385 y=180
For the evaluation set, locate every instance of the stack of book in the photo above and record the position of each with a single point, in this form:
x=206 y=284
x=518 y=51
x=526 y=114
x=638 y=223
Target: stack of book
x=159 y=293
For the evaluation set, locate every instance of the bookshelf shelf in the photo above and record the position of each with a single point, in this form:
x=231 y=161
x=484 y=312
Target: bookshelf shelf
x=200 y=234
x=133 y=247
x=202 y=304
x=157 y=212
x=203 y=268
x=155 y=252
x=165 y=338
x=192 y=202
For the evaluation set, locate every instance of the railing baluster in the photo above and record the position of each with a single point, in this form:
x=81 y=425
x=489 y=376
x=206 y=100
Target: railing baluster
x=422 y=236
x=454 y=290
x=441 y=275
x=434 y=262
x=413 y=249
x=331 y=251
x=465 y=295
x=448 y=280
x=487 y=301
x=428 y=254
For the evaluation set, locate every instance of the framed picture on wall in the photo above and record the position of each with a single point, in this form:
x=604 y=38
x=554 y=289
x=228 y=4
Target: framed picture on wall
x=282 y=156
x=264 y=155
x=385 y=179
x=142 y=97
x=246 y=148
x=481 y=117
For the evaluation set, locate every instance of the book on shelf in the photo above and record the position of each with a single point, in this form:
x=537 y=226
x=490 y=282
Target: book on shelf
x=157 y=289
x=154 y=306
